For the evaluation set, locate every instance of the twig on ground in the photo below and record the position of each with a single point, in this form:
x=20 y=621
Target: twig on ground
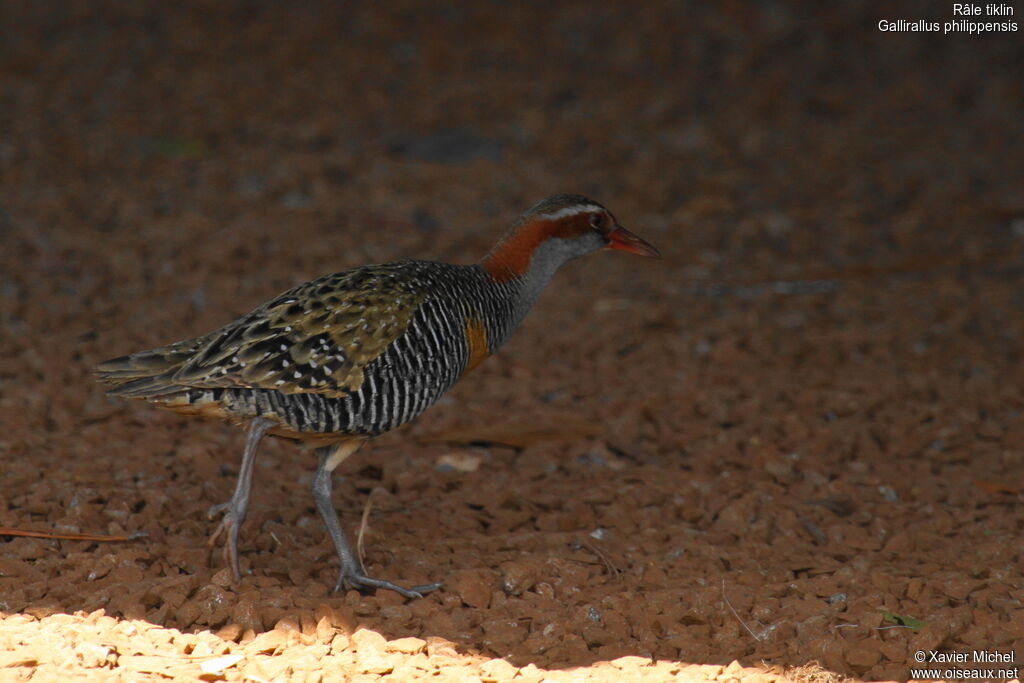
x=364 y=523
x=53 y=535
x=612 y=569
x=733 y=610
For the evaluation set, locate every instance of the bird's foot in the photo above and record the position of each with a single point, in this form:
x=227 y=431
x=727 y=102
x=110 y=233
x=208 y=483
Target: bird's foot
x=361 y=582
x=229 y=525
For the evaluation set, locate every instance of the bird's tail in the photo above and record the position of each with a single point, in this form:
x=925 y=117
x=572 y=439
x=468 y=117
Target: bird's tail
x=146 y=373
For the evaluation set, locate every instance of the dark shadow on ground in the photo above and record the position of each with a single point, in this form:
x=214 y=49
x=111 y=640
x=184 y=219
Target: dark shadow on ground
x=796 y=438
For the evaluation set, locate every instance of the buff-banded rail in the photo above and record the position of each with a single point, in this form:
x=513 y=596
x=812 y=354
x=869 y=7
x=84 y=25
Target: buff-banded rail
x=350 y=355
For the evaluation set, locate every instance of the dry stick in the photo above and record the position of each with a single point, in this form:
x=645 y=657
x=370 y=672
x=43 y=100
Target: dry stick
x=613 y=571
x=99 y=538
x=363 y=524
x=733 y=610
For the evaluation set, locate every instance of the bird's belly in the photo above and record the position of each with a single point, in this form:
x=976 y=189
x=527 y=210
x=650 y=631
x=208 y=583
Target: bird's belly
x=389 y=397
x=383 y=402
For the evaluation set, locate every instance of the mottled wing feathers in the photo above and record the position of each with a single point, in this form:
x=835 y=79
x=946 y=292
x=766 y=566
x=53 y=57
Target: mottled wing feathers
x=315 y=338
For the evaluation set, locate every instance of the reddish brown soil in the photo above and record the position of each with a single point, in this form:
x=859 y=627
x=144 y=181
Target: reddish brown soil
x=797 y=438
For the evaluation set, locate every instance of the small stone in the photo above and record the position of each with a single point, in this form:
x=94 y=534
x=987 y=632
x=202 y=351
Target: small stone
x=781 y=470
x=374 y=663
x=340 y=643
x=630 y=662
x=889 y=494
x=267 y=643
x=863 y=656
x=342 y=617
x=365 y=639
x=518 y=577
x=223 y=578
x=324 y=631
x=439 y=647
x=395 y=614
x=218 y=664
x=733 y=669
x=308 y=624
x=499 y=632
x=497 y=670
x=959 y=589
x=187 y=614
x=92 y=655
x=287 y=624
x=246 y=612
x=409 y=646
x=230 y=632
x=595 y=635
x=530 y=673
x=473 y=587
x=459 y=461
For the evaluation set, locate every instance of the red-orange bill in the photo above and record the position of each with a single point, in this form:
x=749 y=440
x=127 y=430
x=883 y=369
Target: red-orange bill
x=624 y=240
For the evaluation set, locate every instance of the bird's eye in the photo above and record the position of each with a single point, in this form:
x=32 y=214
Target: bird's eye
x=597 y=221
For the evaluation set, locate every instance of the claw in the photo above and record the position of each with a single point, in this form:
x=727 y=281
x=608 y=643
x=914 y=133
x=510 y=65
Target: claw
x=234 y=510
x=228 y=527
x=362 y=582
x=210 y=514
x=217 y=509
x=352 y=572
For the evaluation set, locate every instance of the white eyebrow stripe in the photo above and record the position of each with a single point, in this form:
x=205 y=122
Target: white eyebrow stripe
x=570 y=211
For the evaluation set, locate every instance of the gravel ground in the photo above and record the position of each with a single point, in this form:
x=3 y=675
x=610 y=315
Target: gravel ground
x=789 y=450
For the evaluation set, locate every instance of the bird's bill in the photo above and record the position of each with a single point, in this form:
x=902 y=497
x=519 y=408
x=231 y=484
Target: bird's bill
x=624 y=240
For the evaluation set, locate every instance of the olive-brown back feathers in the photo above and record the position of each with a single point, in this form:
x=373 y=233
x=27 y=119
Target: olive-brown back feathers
x=357 y=352
x=315 y=338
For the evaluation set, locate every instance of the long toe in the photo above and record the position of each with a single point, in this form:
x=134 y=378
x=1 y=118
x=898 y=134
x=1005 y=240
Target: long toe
x=215 y=536
x=231 y=552
x=217 y=509
x=426 y=588
x=228 y=527
x=362 y=582
x=225 y=521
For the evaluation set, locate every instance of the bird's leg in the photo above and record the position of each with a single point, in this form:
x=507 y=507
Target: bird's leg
x=235 y=509
x=352 y=572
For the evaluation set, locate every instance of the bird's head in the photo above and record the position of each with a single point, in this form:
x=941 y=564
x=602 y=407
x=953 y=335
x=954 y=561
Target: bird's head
x=560 y=228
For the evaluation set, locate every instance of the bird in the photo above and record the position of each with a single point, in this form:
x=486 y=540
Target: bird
x=350 y=355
